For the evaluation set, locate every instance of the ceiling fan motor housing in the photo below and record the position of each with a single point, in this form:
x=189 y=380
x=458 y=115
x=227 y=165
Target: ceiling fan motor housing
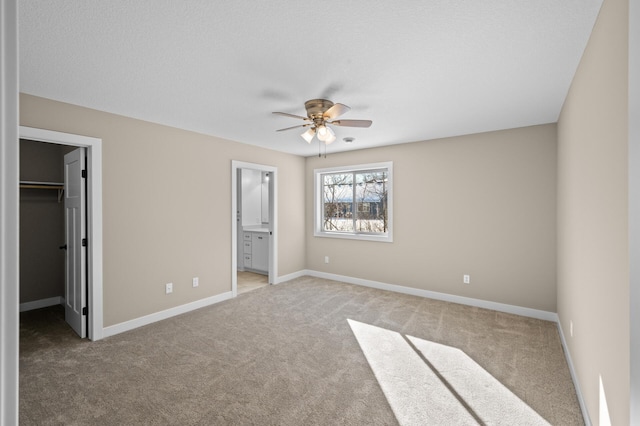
x=317 y=107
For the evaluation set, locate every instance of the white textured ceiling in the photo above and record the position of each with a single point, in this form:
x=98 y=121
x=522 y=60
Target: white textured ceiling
x=420 y=69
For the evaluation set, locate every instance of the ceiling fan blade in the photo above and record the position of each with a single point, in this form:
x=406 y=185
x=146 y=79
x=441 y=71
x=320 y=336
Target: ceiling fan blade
x=352 y=123
x=293 y=127
x=336 y=111
x=286 y=114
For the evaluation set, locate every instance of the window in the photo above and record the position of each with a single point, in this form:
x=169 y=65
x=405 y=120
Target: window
x=354 y=202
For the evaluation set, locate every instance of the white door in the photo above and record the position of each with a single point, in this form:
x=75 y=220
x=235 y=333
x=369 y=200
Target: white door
x=75 y=299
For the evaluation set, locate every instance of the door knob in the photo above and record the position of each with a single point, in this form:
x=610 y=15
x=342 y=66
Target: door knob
x=64 y=247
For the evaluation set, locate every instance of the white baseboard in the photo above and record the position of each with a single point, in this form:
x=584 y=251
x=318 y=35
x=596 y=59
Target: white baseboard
x=167 y=313
x=574 y=376
x=112 y=330
x=495 y=306
x=291 y=276
x=42 y=303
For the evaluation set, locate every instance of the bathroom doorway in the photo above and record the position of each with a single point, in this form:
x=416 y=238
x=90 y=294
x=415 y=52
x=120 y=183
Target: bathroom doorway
x=254 y=226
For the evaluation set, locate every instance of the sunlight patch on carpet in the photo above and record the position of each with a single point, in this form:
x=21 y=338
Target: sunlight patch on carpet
x=434 y=384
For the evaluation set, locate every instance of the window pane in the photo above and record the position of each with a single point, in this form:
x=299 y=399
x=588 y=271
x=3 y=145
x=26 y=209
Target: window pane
x=337 y=190
x=371 y=202
x=354 y=202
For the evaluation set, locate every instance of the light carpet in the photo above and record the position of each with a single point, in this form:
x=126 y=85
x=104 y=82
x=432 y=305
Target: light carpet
x=282 y=355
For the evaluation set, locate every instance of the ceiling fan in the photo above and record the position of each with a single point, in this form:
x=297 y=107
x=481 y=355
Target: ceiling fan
x=320 y=114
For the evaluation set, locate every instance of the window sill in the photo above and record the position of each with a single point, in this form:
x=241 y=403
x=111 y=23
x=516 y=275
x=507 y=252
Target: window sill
x=388 y=238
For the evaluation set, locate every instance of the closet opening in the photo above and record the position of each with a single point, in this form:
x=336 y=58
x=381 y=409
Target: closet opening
x=61 y=230
x=43 y=245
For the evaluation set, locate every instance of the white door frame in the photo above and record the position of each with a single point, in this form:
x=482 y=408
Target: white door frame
x=634 y=207
x=9 y=198
x=94 y=216
x=273 y=221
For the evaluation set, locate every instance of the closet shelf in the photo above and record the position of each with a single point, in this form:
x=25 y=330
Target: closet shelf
x=30 y=184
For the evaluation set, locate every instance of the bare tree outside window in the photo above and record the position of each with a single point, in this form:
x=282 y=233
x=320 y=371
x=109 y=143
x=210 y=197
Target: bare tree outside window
x=371 y=193
x=338 y=202
x=355 y=202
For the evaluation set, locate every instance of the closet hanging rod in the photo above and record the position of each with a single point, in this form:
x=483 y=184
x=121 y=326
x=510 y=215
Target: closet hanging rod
x=30 y=184
x=41 y=185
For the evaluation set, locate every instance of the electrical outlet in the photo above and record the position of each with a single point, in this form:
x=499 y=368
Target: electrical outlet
x=195 y=281
x=168 y=288
x=326 y=259
x=466 y=279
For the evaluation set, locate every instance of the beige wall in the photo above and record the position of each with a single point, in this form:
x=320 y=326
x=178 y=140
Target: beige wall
x=593 y=277
x=483 y=205
x=167 y=206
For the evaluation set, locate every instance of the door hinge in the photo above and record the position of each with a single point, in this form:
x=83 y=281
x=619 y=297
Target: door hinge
x=84 y=242
x=84 y=173
x=85 y=311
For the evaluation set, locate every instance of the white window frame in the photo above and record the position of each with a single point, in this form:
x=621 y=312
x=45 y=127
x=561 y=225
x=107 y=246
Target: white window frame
x=318 y=204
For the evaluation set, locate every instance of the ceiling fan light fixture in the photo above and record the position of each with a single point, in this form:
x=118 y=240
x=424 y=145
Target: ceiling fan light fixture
x=330 y=138
x=323 y=133
x=308 y=135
